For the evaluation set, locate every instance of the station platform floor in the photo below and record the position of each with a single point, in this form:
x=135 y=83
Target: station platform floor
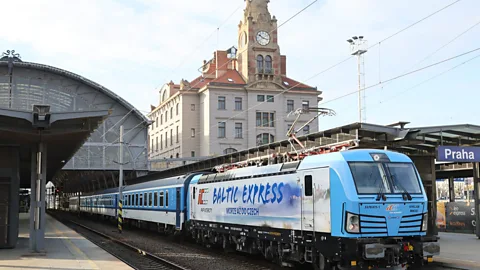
x=65 y=249
x=459 y=250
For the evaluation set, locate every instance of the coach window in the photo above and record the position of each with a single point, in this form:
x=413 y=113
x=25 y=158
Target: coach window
x=155 y=199
x=161 y=198
x=166 y=198
x=145 y=198
x=308 y=185
x=150 y=199
x=141 y=199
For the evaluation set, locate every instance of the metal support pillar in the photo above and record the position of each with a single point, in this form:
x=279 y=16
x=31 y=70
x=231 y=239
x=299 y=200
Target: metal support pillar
x=476 y=188
x=37 y=198
x=451 y=189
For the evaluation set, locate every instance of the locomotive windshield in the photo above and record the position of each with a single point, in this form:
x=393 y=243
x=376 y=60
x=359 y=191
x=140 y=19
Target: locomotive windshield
x=388 y=177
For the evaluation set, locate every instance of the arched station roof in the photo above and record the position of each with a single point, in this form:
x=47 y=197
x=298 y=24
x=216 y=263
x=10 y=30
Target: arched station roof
x=24 y=84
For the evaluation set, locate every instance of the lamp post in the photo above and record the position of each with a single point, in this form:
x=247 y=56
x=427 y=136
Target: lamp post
x=358 y=46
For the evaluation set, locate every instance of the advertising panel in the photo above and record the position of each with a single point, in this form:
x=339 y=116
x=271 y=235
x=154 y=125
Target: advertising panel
x=460 y=217
x=273 y=201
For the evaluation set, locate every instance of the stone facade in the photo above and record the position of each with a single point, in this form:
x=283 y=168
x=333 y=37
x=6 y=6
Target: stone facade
x=241 y=100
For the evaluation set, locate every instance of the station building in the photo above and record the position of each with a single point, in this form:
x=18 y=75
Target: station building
x=241 y=99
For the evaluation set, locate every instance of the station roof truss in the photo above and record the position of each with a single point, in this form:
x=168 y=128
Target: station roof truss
x=25 y=84
x=411 y=141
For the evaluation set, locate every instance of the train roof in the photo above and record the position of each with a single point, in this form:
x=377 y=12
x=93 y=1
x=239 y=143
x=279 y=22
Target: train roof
x=171 y=181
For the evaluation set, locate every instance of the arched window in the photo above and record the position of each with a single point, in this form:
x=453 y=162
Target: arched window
x=268 y=64
x=178 y=155
x=260 y=63
x=164 y=96
x=229 y=151
x=171 y=112
x=265 y=138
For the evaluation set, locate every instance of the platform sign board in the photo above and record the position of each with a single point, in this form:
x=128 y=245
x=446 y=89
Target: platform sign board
x=458 y=153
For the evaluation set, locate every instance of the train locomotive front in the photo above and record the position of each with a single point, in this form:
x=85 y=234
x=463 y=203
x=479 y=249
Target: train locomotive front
x=379 y=209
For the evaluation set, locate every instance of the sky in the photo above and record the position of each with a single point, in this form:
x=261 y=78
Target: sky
x=133 y=47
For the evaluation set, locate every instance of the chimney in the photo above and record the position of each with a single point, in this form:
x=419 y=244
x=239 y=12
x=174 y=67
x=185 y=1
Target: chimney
x=283 y=65
x=222 y=63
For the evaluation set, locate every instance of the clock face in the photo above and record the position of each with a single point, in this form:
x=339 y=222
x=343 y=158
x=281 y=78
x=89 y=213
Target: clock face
x=263 y=38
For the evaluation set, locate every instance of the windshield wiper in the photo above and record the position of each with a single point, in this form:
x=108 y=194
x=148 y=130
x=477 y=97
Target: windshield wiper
x=398 y=184
x=381 y=194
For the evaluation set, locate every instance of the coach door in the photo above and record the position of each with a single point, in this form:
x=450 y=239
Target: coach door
x=307 y=201
x=178 y=205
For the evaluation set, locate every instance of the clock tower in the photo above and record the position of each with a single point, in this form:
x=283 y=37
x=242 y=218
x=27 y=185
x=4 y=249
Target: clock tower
x=258 y=51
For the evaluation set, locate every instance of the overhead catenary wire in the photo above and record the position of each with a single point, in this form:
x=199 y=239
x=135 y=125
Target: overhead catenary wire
x=443 y=46
x=428 y=80
x=403 y=75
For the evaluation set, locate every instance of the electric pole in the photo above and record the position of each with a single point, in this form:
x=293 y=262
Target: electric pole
x=358 y=46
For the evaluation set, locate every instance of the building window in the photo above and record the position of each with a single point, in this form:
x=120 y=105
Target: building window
x=221 y=103
x=265 y=119
x=238 y=104
x=192 y=107
x=166 y=139
x=268 y=64
x=290 y=106
x=193 y=132
x=164 y=96
x=270 y=99
x=259 y=64
x=238 y=130
x=229 y=151
x=221 y=129
x=260 y=98
x=161 y=142
x=177 y=107
x=177 y=134
x=156 y=145
x=178 y=155
x=156 y=122
x=306 y=129
x=305 y=105
x=171 y=113
x=152 y=146
x=265 y=138
x=166 y=116
x=193 y=153
x=171 y=136
x=161 y=119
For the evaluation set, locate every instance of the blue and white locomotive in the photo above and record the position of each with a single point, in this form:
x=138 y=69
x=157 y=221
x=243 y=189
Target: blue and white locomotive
x=355 y=208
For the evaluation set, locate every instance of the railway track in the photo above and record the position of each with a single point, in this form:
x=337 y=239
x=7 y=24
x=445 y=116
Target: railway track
x=131 y=255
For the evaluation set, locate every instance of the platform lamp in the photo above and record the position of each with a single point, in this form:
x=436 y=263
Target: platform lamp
x=358 y=46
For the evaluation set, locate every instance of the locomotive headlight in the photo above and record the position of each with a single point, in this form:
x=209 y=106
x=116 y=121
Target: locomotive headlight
x=425 y=222
x=353 y=223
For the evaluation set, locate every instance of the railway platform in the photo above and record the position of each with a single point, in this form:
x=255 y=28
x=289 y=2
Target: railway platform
x=460 y=251
x=65 y=249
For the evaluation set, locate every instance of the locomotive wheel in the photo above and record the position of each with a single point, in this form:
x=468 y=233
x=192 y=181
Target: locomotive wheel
x=320 y=262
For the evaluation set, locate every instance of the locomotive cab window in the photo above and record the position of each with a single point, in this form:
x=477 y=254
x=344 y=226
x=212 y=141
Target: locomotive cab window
x=308 y=185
